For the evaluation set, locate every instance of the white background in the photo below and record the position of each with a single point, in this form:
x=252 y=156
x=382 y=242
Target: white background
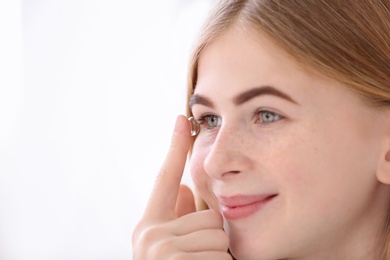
x=89 y=92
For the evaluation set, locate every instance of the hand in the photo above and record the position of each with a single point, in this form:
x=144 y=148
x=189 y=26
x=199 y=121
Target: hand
x=170 y=228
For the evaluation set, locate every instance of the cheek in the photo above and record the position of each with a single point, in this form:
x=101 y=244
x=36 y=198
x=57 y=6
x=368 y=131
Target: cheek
x=298 y=162
x=284 y=156
x=319 y=174
x=294 y=159
x=197 y=171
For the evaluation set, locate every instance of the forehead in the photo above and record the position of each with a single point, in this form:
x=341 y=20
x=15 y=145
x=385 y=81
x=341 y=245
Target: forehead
x=241 y=58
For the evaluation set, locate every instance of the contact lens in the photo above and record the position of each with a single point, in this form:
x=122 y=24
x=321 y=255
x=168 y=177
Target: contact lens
x=195 y=128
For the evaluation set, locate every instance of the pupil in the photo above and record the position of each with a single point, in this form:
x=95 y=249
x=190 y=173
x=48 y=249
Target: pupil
x=267 y=116
x=212 y=121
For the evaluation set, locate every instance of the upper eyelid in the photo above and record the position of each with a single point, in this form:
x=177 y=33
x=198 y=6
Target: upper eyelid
x=202 y=115
x=268 y=109
x=202 y=119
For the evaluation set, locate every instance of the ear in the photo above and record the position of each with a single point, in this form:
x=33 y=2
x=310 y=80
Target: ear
x=383 y=170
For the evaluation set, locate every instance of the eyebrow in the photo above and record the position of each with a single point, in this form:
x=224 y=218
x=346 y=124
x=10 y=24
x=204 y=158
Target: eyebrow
x=244 y=97
x=197 y=99
x=264 y=90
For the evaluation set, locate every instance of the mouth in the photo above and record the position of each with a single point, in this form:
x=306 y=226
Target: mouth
x=242 y=206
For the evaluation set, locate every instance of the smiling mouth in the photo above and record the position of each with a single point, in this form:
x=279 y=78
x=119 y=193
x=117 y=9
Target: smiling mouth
x=241 y=206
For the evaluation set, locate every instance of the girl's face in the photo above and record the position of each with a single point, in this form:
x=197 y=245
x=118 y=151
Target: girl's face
x=288 y=156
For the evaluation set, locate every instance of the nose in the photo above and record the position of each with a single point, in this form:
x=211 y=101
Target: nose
x=229 y=155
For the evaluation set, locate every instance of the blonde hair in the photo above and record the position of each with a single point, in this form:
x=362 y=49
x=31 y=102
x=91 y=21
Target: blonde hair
x=347 y=40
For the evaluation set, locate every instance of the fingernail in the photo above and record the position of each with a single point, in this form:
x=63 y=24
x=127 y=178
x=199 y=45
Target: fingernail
x=179 y=124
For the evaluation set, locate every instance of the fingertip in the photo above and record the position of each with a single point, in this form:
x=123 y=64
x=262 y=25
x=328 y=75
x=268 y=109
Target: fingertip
x=163 y=199
x=180 y=124
x=181 y=134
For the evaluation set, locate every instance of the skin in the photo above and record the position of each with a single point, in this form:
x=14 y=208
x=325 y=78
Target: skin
x=322 y=157
x=326 y=158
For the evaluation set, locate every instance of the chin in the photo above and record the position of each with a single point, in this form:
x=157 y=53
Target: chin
x=251 y=256
x=254 y=255
x=249 y=247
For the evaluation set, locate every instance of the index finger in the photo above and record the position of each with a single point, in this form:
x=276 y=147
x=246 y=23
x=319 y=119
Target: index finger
x=161 y=205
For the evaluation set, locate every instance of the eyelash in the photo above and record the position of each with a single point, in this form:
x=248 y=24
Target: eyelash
x=202 y=120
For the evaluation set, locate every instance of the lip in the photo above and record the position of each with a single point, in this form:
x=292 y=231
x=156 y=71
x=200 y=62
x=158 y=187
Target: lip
x=242 y=206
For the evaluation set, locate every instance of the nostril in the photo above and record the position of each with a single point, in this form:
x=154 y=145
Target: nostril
x=231 y=173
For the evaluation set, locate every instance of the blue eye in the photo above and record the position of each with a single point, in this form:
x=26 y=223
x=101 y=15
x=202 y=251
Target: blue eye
x=210 y=121
x=268 y=116
x=214 y=121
